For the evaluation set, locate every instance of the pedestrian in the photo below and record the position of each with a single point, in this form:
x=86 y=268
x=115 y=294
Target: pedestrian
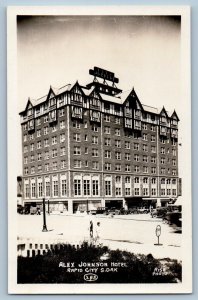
x=97 y=237
x=91 y=228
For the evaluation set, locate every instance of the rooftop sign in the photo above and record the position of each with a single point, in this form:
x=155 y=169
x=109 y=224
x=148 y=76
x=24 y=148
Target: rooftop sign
x=106 y=75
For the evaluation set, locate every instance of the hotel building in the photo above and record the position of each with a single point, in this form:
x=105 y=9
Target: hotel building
x=97 y=146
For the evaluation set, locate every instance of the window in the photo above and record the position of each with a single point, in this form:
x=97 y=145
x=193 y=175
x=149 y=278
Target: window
x=54 y=165
x=62 y=124
x=152 y=128
x=38 y=121
x=163 y=192
x=54 y=140
x=168 y=192
x=137 y=180
x=174 y=192
x=39 y=157
x=62 y=151
x=95 y=187
x=118 y=191
x=95 y=152
x=107 y=141
x=118 y=143
x=47 y=189
x=163 y=170
x=86 y=164
x=145 y=169
x=38 y=133
x=31 y=136
x=39 y=168
x=76 y=137
x=46 y=155
x=25 y=137
x=54 y=153
x=144 y=126
x=64 y=187
x=153 y=159
x=86 y=185
x=61 y=112
x=145 y=191
x=127 y=168
x=127 y=145
x=45 y=119
x=117 y=167
x=107 y=130
x=118 y=179
x=145 y=158
x=46 y=143
x=55 y=188
x=32 y=170
x=137 y=191
x=145 y=147
x=136 y=146
x=117 y=131
x=33 y=189
x=94 y=128
x=162 y=150
x=25 y=126
x=25 y=149
x=153 y=138
x=94 y=140
x=77 y=187
x=153 y=149
x=145 y=137
x=153 y=180
x=162 y=140
x=137 y=169
x=25 y=160
x=136 y=157
x=118 y=155
x=173 y=181
x=127 y=191
x=86 y=150
x=174 y=152
x=127 y=179
x=46 y=167
x=45 y=130
x=62 y=137
x=86 y=139
x=127 y=156
x=174 y=142
x=31 y=148
x=40 y=189
x=77 y=163
x=153 y=170
x=77 y=150
x=107 y=166
x=39 y=145
x=95 y=165
x=162 y=160
x=174 y=172
x=153 y=192
x=106 y=118
x=107 y=188
x=107 y=154
x=117 y=120
x=85 y=124
x=145 y=180
x=54 y=128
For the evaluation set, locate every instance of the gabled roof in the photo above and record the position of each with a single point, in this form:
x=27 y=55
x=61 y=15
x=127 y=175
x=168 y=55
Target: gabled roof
x=77 y=85
x=111 y=98
x=164 y=111
x=133 y=96
x=174 y=114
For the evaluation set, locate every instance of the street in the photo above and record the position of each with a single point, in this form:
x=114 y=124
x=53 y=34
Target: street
x=134 y=233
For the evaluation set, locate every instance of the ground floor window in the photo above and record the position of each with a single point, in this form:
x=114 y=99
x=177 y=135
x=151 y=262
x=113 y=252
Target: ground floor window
x=118 y=191
x=107 y=188
x=137 y=191
x=64 y=187
x=40 y=189
x=95 y=187
x=55 y=188
x=47 y=189
x=127 y=191
x=33 y=189
x=86 y=184
x=27 y=194
x=77 y=187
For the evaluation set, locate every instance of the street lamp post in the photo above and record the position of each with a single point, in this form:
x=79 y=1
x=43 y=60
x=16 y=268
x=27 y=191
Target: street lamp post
x=44 y=217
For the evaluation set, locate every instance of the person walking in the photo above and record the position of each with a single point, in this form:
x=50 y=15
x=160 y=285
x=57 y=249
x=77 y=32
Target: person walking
x=91 y=229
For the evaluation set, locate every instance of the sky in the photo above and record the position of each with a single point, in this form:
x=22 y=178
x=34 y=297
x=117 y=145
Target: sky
x=144 y=52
